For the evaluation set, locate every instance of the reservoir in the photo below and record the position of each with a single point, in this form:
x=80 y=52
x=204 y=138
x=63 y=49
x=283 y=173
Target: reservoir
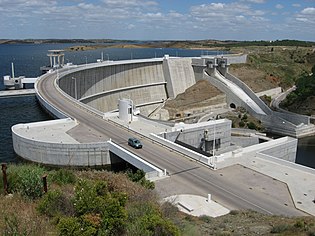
x=28 y=59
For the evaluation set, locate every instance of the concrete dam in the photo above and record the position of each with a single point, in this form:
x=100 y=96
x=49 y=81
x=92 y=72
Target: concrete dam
x=146 y=82
x=149 y=83
x=94 y=135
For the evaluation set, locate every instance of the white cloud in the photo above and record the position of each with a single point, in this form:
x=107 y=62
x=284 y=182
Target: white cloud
x=130 y=3
x=279 y=6
x=296 y=5
x=309 y=11
x=255 y=1
x=307 y=15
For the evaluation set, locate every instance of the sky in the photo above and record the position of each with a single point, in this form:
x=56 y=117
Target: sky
x=158 y=19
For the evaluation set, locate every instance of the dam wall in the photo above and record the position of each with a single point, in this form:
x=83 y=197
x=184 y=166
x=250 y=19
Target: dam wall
x=102 y=86
x=179 y=75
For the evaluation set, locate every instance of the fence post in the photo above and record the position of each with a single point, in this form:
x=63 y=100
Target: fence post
x=4 y=176
x=45 y=183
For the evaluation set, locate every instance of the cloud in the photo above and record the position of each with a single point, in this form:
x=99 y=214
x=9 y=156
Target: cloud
x=309 y=11
x=307 y=15
x=279 y=6
x=130 y=3
x=256 y=1
x=296 y=5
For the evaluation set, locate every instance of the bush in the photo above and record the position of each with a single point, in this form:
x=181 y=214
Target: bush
x=62 y=177
x=94 y=198
x=145 y=218
x=251 y=125
x=279 y=228
x=244 y=117
x=26 y=180
x=241 y=124
x=139 y=177
x=54 y=203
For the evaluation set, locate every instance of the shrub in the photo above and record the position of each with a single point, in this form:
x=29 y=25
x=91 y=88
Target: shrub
x=205 y=218
x=299 y=224
x=62 y=177
x=26 y=180
x=241 y=124
x=279 y=228
x=244 y=117
x=69 y=226
x=88 y=198
x=54 y=203
x=139 y=177
x=251 y=125
x=93 y=198
x=144 y=218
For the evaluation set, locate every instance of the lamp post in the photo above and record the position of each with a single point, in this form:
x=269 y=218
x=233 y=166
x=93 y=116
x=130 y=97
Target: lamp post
x=75 y=88
x=107 y=56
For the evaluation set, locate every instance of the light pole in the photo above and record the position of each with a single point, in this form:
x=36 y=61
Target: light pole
x=107 y=56
x=75 y=88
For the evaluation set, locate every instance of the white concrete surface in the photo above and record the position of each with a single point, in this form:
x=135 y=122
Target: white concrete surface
x=197 y=205
x=15 y=93
x=240 y=93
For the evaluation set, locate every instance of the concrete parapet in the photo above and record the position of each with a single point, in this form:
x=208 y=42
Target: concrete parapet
x=282 y=148
x=150 y=170
x=53 y=111
x=185 y=151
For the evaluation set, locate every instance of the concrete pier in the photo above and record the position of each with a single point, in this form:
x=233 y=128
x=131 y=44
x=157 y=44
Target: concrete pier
x=17 y=93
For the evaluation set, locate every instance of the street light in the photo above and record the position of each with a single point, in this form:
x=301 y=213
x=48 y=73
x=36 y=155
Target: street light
x=75 y=88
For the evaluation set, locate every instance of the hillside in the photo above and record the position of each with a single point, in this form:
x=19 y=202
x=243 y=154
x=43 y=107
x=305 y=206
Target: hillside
x=90 y=202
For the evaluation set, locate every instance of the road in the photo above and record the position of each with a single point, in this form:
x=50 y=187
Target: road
x=187 y=175
x=277 y=100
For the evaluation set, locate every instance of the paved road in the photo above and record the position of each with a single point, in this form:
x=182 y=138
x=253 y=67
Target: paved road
x=187 y=175
x=277 y=100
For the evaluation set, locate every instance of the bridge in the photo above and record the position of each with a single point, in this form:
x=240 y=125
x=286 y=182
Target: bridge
x=148 y=83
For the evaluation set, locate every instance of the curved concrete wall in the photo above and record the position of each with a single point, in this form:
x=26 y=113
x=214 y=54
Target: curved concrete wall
x=59 y=154
x=123 y=80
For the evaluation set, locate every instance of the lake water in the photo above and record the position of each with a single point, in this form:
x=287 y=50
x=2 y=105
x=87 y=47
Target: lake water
x=28 y=58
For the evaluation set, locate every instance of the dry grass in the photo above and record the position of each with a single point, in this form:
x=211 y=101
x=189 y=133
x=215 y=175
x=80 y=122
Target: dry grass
x=19 y=216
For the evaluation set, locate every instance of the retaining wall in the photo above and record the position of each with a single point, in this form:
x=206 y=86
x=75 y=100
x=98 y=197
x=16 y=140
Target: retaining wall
x=59 y=154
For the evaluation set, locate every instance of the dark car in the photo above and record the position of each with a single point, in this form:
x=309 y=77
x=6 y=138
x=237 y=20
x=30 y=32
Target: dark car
x=134 y=142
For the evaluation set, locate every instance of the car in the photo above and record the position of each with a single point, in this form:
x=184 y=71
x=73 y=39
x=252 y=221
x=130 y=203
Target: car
x=134 y=142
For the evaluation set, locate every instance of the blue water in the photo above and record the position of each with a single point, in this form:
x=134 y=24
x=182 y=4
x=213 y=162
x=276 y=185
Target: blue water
x=28 y=58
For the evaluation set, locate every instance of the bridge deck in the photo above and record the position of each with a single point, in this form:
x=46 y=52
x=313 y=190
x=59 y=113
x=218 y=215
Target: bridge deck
x=17 y=93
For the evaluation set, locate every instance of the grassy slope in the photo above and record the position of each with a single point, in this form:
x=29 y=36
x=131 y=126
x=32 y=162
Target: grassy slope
x=20 y=217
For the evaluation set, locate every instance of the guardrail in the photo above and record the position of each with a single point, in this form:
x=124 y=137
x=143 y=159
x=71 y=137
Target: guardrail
x=151 y=170
x=47 y=106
